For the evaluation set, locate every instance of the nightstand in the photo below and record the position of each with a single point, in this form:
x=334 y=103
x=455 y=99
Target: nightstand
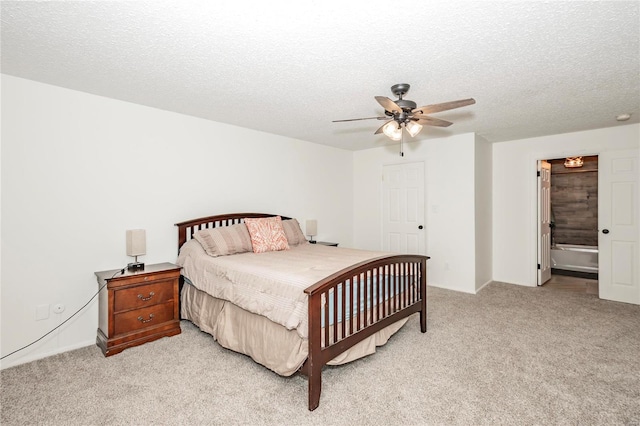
x=137 y=307
x=325 y=243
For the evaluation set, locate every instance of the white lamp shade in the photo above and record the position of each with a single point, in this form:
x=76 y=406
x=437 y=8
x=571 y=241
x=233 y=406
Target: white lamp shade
x=393 y=130
x=312 y=227
x=136 y=242
x=413 y=128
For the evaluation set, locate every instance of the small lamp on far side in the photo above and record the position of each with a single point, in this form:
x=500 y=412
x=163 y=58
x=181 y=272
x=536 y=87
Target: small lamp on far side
x=136 y=246
x=312 y=229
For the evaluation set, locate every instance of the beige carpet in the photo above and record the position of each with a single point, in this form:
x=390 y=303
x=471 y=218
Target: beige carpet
x=509 y=355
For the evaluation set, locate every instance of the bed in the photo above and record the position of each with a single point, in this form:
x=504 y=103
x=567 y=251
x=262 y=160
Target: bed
x=296 y=309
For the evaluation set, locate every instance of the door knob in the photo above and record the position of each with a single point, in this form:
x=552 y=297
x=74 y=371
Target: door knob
x=605 y=231
x=420 y=226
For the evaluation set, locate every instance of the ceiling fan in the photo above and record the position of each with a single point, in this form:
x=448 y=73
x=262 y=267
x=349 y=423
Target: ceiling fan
x=405 y=113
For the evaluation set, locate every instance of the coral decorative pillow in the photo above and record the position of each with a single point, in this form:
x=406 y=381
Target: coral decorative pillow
x=267 y=234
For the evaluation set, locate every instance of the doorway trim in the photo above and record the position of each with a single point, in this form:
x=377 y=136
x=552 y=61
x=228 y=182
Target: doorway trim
x=543 y=236
x=532 y=165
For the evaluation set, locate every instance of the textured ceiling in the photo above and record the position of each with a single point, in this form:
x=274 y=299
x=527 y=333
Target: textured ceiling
x=535 y=68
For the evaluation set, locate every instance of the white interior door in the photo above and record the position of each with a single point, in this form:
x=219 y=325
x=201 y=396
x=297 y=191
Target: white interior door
x=544 y=221
x=618 y=257
x=403 y=208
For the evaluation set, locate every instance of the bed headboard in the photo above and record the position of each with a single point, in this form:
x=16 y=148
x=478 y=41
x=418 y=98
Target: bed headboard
x=190 y=227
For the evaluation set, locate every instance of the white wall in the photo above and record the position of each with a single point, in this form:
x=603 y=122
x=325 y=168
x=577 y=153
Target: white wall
x=483 y=209
x=78 y=170
x=514 y=192
x=449 y=200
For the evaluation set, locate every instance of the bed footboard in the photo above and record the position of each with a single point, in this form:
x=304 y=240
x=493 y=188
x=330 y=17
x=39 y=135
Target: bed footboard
x=353 y=304
x=350 y=305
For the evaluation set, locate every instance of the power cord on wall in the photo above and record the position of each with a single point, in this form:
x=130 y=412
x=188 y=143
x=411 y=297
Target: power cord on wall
x=121 y=271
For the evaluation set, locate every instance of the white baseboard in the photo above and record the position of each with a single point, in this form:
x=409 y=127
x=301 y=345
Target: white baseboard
x=449 y=288
x=35 y=357
x=483 y=286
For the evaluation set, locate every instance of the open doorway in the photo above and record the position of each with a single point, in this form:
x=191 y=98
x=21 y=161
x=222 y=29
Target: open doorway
x=568 y=247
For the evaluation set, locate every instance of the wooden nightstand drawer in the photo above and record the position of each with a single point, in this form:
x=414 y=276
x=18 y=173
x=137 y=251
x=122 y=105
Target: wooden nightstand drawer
x=143 y=318
x=143 y=295
x=137 y=307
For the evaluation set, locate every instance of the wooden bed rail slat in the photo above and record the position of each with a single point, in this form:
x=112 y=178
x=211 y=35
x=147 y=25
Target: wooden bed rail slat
x=344 y=310
x=325 y=307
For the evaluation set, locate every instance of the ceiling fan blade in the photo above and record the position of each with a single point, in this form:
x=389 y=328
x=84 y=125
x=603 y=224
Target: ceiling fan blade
x=380 y=128
x=445 y=106
x=356 y=119
x=388 y=104
x=430 y=121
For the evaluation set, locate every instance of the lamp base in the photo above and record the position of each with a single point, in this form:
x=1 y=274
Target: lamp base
x=138 y=266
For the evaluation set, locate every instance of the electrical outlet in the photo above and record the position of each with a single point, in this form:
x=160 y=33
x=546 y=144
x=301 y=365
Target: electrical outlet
x=58 y=308
x=42 y=312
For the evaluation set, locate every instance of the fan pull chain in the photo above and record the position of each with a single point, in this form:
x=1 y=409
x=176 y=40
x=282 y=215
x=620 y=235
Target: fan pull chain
x=402 y=141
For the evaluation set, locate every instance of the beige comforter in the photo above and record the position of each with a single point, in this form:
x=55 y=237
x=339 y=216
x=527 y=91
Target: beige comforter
x=269 y=284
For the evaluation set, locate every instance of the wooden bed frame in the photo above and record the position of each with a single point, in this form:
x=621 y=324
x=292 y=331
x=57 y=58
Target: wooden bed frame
x=366 y=320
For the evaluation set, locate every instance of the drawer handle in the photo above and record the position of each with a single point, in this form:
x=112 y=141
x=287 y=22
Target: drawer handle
x=142 y=320
x=141 y=297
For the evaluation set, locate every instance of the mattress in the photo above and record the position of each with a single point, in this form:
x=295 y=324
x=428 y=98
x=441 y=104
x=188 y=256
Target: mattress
x=270 y=284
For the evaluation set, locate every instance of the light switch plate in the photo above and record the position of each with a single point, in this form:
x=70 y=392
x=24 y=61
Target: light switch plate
x=42 y=312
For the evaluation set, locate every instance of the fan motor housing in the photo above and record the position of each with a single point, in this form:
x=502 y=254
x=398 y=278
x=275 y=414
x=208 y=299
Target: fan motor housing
x=406 y=104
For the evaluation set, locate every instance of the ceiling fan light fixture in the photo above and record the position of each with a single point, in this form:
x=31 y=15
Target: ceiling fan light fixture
x=393 y=130
x=405 y=113
x=413 y=128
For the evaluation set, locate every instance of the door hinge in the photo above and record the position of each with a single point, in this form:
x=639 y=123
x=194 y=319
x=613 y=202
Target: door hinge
x=538 y=173
x=538 y=266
